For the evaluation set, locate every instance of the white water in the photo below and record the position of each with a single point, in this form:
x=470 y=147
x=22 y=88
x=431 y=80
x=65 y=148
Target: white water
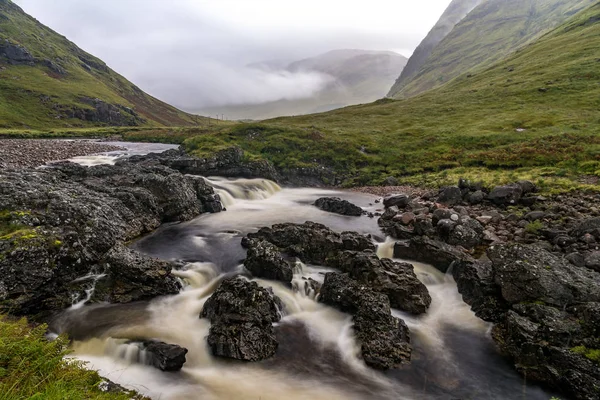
x=131 y=149
x=319 y=357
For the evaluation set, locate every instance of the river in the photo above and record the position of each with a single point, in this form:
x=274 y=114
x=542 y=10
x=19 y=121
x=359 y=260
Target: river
x=318 y=357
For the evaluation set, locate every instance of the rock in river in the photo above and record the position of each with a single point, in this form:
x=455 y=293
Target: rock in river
x=338 y=206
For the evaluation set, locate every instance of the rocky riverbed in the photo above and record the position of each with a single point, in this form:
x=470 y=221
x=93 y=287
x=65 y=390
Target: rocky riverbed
x=21 y=153
x=526 y=263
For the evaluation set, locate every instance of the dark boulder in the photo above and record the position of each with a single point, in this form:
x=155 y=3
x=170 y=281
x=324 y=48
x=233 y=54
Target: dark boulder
x=527 y=187
x=399 y=200
x=436 y=253
x=506 y=195
x=476 y=197
x=591 y=226
x=592 y=261
x=338 y=206
x=265 y=261
x=242 y=316
x=468 y=233
x=166 y=357
x=396 y=280
x=529 y=273
x=384 y=339
x=311 y=242
x=450 y=196
x=15 y=54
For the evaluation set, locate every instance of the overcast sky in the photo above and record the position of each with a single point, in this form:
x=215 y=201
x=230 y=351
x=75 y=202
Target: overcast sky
x=194 y=53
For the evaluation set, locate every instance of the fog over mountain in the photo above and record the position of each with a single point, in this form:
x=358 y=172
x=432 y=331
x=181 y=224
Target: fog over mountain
x=198 y=54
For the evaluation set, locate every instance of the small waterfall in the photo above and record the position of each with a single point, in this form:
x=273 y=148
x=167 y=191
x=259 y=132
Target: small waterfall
x=386 y=249
x=230 y=191
x=76 y=301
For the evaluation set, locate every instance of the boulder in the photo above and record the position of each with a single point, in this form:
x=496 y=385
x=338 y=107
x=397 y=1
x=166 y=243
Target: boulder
x=166 y=357
x=384 y=339
x=450 y=196
x=591 y=226
x=426 y=250
x=476 y=197
x=592 y=261
x=506 y=195
x=338 y=206
x=311 y=242
x=400 y=201
x=242 y=316
x=265 y=261
x=527 y=187
x=396 y=280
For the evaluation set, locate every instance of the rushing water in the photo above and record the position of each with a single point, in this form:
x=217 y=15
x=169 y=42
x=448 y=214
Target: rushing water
x=318 y=357
x=130 y=149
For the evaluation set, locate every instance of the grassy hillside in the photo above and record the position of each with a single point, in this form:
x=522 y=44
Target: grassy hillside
x=489 y=33
x=47 y=81
x=455 y=12
x=534 y=114
x=357 y=76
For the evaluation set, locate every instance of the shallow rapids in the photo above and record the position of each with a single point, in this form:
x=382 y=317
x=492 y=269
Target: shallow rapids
x=318 y=357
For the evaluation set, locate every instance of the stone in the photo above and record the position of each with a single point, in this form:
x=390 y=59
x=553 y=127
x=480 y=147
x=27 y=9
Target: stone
x=592 y=261
x=384 y=339
x=242 y=316
x=506 y=195
x=527 y=187
x=484 y=219
x=535 y=215
x=476 y=197
x=166 y=357
x=426 y=250
x=400 y=201
x=264 y=260
x=591 y=226
x=450 y=196
x=338 y=206
x=407 y=218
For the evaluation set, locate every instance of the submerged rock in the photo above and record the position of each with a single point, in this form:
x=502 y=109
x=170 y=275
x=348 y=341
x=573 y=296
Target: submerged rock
x=338 y=206
x=166 y=357
x=242 y=316
x=384 y=339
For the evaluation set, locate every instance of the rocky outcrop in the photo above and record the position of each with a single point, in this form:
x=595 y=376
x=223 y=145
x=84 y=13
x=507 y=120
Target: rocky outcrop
x=313 y=243
x=166 y=357
x=396 y=280
x=15 y=54
x=546 y=313
x=242 y=316
x=265 y=261
x=384 y=340
x=338 y=206
x=67 y=224
x=436 y=253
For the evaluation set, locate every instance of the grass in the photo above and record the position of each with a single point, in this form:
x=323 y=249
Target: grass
x=31 y=367
x=489 y=33
x=31 y=95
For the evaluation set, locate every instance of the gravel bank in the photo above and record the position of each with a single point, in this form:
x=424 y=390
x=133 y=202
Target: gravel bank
x=20 y=153
x=385 y=191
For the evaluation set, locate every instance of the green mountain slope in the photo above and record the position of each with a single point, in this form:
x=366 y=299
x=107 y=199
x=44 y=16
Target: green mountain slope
x=455 y=12
x=47 y=81
x=538 y=109
x=356 y=77
x=490 y=32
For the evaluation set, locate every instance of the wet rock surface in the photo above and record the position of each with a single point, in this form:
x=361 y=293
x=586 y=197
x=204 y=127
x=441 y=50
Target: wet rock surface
x=19 y=153
x=265 y=261
x=166 y=357
x=242 y=316
x=338 y=206
x=65 y=226
x=384 y=339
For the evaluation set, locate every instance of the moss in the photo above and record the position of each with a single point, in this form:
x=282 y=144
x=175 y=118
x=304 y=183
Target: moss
x=590 y=354
x=534 y=227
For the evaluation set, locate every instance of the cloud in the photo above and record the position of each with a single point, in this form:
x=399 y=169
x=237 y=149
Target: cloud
x=194 y=53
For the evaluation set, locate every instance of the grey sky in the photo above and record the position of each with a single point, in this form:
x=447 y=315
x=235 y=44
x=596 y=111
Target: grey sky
x=193 y=53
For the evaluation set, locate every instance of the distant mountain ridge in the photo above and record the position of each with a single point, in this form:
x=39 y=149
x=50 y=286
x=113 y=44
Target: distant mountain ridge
x=47 y=81
x=455 y=12
x=357 y=76
x=490 y=32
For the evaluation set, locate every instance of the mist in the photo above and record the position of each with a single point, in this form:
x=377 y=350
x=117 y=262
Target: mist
x=196 y=54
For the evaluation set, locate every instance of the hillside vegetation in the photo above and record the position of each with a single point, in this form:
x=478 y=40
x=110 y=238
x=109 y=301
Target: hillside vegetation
x=487 y=34
x=47 y=81
x=455 y=12
x=534 y=114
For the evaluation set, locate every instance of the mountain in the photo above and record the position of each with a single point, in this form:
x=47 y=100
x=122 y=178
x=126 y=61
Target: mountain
x=491 y=31
x=532 y=115
x=47 y=81
x=455 y=12
x=356 y=76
